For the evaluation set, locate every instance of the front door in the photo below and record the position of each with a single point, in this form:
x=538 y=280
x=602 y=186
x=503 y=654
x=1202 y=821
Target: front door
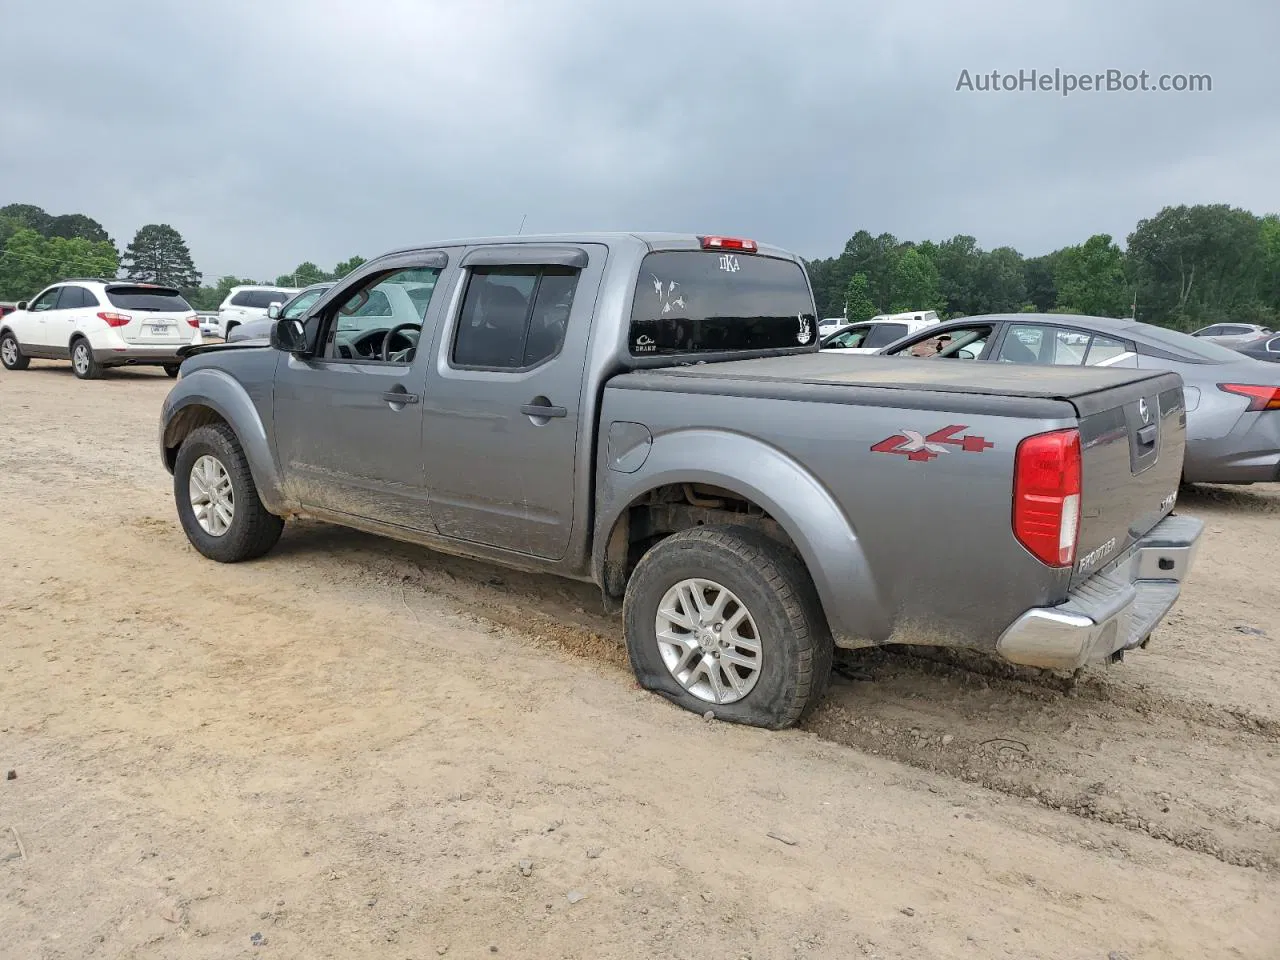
x=348 y=420
x=501 y=424
x=36 y=330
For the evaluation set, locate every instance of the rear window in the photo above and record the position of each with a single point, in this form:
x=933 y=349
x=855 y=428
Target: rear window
x=259 y=299
x=691 y=302
x=148 y=298
x=883 y=334
x=1193 y=348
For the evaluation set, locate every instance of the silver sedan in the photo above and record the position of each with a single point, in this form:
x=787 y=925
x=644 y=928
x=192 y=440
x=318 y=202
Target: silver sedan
x=1233 y=401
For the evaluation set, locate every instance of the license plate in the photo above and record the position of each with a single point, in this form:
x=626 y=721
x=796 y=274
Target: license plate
x=159 y=328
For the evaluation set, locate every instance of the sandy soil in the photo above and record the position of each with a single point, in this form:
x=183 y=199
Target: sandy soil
x=359 y=749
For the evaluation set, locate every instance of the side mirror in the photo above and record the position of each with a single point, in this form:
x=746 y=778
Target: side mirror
x=289 y=336
x=22 y=304
x=273 y=311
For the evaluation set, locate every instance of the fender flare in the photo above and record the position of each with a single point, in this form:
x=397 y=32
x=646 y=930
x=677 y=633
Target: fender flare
x=224 y=395
x=787 y=491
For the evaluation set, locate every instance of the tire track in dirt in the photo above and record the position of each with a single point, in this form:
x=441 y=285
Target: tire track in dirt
x=1142 y=760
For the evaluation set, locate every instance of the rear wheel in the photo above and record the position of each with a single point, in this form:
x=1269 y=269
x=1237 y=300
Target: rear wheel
x=11 y=353
x=727 y=620
x=218 y=503
x=82 y=361
x=171 y=369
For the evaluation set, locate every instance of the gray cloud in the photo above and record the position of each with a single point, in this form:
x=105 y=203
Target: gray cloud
x=272 y=133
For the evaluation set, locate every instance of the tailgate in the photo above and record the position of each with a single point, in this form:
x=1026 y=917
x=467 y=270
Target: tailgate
x=156 y=314
x=1132 y=438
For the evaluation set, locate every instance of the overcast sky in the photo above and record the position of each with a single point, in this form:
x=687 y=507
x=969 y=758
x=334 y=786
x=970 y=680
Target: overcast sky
x=273 y=132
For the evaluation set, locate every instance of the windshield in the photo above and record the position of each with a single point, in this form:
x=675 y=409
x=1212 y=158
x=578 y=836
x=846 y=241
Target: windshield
x=711 y=302
x=1205 y=350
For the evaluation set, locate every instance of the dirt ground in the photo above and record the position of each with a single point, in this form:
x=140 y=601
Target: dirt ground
x=358 y=749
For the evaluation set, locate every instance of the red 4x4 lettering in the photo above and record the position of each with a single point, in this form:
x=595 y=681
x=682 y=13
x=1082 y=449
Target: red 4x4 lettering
x=917 y=446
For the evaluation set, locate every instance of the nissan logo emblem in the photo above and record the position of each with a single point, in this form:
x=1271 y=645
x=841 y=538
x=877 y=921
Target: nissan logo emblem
x=1143 y=411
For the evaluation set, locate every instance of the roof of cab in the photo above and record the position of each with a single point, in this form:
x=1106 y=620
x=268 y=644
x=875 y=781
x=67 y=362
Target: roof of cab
x=653 y=240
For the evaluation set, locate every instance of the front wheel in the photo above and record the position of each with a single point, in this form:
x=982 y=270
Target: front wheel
x=727 y=620
x=83 y=363
x=218 y=503
x=11 y=353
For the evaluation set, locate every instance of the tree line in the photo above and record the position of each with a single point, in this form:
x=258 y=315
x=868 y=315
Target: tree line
x=1185 y=267
x=38 y=248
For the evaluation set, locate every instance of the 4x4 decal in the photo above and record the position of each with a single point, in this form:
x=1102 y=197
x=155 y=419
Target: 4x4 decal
x=916 y=446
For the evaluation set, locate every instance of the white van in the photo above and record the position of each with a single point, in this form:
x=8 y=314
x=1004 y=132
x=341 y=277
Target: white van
x=869 y=336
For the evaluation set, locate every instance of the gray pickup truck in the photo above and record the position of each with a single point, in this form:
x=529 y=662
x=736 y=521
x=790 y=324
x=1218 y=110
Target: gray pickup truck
x=650 y=412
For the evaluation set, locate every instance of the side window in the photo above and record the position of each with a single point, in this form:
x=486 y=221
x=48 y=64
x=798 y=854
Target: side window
x=513 y=317
x=301 y=305
x=1273 y=345
x=46 y=300
x=390 y=304
x=1109 y=352
x=1022 y=344
x=1213 y=331
x=74 y=298
x=88 y=298
x=1069 y=348
x=849 y=339
x=883 y=334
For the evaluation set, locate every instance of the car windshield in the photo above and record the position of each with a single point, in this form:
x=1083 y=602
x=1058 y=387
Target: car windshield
x=1204 y=350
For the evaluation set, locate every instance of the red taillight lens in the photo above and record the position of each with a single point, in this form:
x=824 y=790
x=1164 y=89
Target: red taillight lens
x=1046 y=496
x=729 y=243
x=116 y=319
x=193 y=321
x=1260 y=398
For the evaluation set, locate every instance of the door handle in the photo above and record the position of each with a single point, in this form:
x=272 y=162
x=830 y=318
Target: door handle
x=1147 y=435
x=543 y=410
x=400 y=396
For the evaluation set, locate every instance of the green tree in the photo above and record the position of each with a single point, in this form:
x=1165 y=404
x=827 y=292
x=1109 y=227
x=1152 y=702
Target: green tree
x=857 y=301
x=158 y=254
x=957 y=261
x=914 y=283
x=1042 y=291
x=30 y=262
x=1196 y=264
x=73 y=225
x=303 y=275
x=29 y=216
x=1000 y=284
x=1090 y=278
x=346 y=267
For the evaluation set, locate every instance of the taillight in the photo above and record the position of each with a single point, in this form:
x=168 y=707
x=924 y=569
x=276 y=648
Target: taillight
x=116 y=319
x=729 y=243
x=193 y=321
x=1046 y=496
x=1260 y=398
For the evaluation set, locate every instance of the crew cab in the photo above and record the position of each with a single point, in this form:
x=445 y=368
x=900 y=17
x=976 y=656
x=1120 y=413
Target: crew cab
x=650 y=413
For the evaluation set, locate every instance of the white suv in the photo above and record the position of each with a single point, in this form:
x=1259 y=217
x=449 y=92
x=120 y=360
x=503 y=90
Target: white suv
x=98 y=324
x=249 y=303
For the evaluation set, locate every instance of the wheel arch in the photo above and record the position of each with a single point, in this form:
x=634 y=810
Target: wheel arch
x=783 y=493
x=211 y=396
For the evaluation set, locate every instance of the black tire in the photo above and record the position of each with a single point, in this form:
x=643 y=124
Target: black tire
x=11 y=354
x=773 y=584
x=171 y=369
x=83 y=364
x=253 y=530
x=226 y=335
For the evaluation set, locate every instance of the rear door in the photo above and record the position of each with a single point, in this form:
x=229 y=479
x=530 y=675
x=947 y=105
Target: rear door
x=157 y=316
x=1132 y=446
x=500 y=426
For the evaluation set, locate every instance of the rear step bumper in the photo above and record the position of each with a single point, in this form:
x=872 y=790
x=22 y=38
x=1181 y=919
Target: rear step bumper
x=1114 y=610
x=141 y=355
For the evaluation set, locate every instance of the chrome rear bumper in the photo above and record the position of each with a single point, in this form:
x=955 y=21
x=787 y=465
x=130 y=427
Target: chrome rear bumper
x=1115 y=609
